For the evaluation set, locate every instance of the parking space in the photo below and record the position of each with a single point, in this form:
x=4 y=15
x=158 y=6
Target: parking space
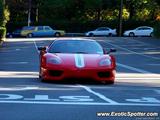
x=136 y=88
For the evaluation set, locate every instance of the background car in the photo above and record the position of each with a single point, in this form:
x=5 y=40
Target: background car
x=76 y=58
x=16 y=33
x=41 y=31
x=102 y=31
x=140 y=31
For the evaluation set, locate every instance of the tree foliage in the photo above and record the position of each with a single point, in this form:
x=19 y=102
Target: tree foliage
x=61 y=11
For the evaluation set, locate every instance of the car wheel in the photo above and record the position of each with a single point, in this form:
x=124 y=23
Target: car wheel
x=41 y=78
x=30 y=35
x=110 y=34
x=152 y=35
x=131 y=34
x=57 y=34
x=91 y=34
x=10 y=36
x=108 y=82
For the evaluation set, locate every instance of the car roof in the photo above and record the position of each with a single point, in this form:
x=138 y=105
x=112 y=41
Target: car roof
x=35 y=26
x=102 y=27
x=144 y=26
x=85 y=39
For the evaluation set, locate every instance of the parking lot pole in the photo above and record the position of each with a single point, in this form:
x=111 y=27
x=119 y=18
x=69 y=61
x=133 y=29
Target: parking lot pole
x=29 y=13
x=120 y=18
x=4 y=2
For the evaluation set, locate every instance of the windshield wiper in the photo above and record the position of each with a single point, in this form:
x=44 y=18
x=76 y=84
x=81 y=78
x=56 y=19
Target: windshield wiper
x=82 y=52
x=57 y=52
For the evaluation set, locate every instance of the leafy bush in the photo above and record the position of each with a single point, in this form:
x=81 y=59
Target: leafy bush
x=2 y=32
x=157 y=30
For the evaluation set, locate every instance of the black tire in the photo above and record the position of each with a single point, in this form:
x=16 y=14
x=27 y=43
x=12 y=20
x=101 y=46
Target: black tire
x=30 y=35
x=152 y=35
x=91 y=35
x=10 y=36
x=108 y=82
x=57 y=34
x=110 y=34
x=131 y=34
x=41 y=78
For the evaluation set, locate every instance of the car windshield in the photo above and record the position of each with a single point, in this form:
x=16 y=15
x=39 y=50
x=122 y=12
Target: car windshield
x=76 y=46
x=28 y=28
x=17 y=31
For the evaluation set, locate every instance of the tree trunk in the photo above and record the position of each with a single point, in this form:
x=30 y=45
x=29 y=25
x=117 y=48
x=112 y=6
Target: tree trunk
x=98 y=14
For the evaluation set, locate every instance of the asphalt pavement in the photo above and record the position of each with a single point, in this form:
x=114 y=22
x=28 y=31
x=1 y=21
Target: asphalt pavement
x=135 y=94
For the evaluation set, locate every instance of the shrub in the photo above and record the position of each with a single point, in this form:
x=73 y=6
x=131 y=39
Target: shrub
x=157 y=30
x=2 y=32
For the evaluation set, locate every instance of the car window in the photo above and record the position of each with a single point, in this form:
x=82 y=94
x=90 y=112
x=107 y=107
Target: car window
x=28 y=28
x=17 y=31
x=140 y=28
x=40 y=27
x=144 y=28
x=48 y=28
x=102 y=29
x=76 y=46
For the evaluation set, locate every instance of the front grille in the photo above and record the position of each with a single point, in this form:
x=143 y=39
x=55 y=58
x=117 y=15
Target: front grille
x=55 y=73
x=104 y=74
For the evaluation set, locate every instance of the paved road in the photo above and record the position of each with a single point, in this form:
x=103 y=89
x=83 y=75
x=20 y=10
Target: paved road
x=135 y=95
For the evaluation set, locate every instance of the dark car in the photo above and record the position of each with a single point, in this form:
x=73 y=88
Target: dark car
x=16 y=33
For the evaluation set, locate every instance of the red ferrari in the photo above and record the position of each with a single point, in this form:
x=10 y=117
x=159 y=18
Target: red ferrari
x=76 y=58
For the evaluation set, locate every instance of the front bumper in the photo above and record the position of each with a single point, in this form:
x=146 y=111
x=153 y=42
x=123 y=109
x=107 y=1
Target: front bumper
x=60 y=73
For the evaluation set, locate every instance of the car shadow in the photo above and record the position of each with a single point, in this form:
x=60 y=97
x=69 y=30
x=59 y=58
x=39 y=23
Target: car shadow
x=73 y=81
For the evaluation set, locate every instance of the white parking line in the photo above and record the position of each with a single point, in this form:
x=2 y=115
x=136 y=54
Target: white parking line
x=80 y=103
x=15 y=63
x=18 y=74
x=36 y=46
x=138 y=41
x=154 y=64
x=132 y=68
x=98 y=94
x=157 y=91
x=157 y=58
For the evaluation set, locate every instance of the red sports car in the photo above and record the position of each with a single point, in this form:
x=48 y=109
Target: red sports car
x=76 y=58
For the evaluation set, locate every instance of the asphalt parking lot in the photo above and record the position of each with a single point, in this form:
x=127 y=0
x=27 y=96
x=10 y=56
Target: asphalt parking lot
x=135 y=94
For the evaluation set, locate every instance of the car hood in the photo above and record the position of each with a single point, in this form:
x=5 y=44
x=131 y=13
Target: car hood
x=79 y=60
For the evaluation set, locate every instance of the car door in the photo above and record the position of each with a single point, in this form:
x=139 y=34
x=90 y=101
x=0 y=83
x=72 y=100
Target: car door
x=39 y=31
x=139 y=31
x=49 y=31
x=98 y=31
x=106 y=31
x=147 y=31
x=102 y=31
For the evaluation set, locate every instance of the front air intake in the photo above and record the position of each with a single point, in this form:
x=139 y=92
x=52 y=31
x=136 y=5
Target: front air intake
x=55 y=73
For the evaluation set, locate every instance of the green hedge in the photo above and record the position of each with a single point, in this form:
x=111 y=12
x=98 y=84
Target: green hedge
x=157 y=30
x=2 y=32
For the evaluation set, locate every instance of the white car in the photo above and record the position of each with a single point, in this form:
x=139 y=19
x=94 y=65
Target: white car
x=102 y=31
x=140 y=31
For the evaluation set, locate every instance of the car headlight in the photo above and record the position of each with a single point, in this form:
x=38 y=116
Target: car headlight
x=105 y=62
x=54 y=61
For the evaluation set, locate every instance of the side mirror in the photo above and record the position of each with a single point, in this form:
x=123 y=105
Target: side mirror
x=111 y=50
x=41 y=48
